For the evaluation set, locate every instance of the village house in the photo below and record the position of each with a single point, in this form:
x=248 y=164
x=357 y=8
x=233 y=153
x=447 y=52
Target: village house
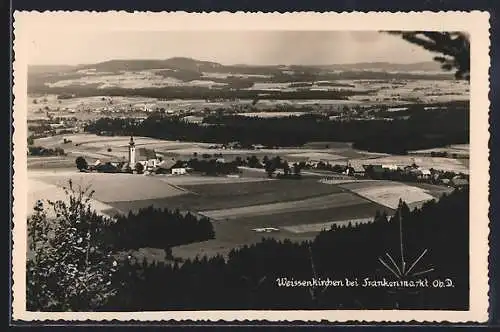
x=358 y=171
x=179 y=170
x=391 y=167
x=425 y=174
x=165 y=166
x=258 y=146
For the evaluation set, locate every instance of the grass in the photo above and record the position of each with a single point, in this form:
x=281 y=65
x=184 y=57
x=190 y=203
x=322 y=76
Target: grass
x=309 y=204
x=232 y=195
x=115 y=187
x=362 y=209
x=389 y=193
x=50 y=162
x=196 y=183
x=318 y=156
x=435 y=190
x=236 y=233
x=318 y=227
x=39 y=190
x=445 y=164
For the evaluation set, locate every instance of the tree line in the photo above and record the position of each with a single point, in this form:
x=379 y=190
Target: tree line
x=236 y=90
x=40 y=151
x=212 y=166
x=425 y=129
x=156 y=228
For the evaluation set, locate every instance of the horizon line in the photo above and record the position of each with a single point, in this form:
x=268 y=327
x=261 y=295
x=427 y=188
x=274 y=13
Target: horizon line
x=224 y=64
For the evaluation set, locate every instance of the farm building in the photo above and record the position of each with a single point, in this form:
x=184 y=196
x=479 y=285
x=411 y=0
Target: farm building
x=358 y=170
x=391 y=167
x=165 y=167
x=424 y=173
x=193 y=119
x=179 y=171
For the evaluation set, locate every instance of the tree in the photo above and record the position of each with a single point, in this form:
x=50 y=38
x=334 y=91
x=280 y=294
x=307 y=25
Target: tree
x=68 y=267
x=139 y=168
x=253 y=161
x=270 y=169
x=31 y=141
x=276 y=161
x=296 y=169
x=81 y=163
x=238 y=161
x=454 y=47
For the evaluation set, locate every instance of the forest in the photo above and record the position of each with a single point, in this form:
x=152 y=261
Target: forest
x=156 y=228
x=421 y=130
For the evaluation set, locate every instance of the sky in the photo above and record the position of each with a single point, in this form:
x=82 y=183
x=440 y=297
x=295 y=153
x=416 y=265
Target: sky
x=63 y=47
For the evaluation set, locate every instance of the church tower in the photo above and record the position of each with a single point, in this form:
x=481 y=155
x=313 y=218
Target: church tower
x=131 y=152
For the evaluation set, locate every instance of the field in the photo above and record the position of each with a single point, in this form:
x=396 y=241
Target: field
x=112 y=187
x=388 y=193
x=461 y=150
x=115 y=148
x=316 y=203
x=237 y=206
x=312 y=228
x=316 y=156
x=299 y=209
x=388 y=91
x=271 y=114
x=40 y=190
x=445 y=164
x=223 y=195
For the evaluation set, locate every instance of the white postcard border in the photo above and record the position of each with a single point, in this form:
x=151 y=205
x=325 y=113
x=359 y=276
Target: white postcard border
x=475 y=23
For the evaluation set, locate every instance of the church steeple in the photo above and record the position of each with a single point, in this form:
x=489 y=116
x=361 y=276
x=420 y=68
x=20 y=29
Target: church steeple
x=131 y=152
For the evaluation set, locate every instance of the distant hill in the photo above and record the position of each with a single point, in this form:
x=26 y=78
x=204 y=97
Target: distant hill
x=172 y=63
x=188 y=64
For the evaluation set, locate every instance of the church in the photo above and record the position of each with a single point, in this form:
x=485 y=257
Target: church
x=146 y=157
x=150 y=160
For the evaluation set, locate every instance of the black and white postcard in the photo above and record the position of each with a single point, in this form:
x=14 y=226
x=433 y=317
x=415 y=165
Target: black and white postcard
x=279 y=167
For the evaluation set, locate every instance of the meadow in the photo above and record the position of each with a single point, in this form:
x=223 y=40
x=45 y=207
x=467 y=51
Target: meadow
x=388 y=193
x=110 y=187
x=309 y=204
x=115 y=148
x=439 y=163
x=298 y=209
